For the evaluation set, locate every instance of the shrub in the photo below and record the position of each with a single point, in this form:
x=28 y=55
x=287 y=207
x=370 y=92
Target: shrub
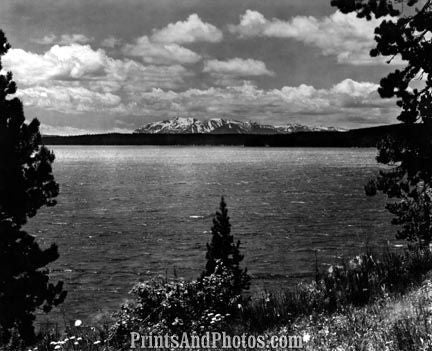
x=356 y=282
x=367 y=276
x=161 y=306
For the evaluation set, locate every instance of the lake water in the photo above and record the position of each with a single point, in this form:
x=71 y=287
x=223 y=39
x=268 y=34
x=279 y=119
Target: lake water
x=130 y=213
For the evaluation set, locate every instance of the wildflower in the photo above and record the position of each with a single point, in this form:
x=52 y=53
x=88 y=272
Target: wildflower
x=78 y=323
x=177 y=321
x=306 y=337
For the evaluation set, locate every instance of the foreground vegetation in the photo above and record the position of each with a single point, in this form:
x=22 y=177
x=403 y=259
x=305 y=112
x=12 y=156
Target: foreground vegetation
x=398 y=322
x=372 y=302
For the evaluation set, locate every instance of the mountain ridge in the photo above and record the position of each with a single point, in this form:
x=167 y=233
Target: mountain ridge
x=189 y=125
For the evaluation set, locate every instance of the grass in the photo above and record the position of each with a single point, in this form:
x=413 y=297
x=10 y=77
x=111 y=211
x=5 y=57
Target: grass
x=399 y=323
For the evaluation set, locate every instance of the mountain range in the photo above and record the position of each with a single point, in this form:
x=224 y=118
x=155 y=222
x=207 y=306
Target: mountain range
x=182 y=125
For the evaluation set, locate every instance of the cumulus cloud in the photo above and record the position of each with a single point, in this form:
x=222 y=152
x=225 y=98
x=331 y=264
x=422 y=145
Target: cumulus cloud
x=83 y=64
x=189 y=31
x=237 y=67
x=58 y=63
x=77 y=79
x=65 y=39
x=68 y=99
x=347 y=37
x=159 y=53
x=304 y=103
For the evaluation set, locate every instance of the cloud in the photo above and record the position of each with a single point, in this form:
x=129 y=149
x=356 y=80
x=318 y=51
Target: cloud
x=47 y=129
x=68 y=99
x=93 y=67
x=67 y=39
x=305 y=104
x=72 y=62
x=64 y=39
x=111 y=42
x=347 y=37
x=160 y=54
x=77 y=79
x=237 y=67
x=58 y=63
x=190 y=31
x=46 y=40
x=233 y=71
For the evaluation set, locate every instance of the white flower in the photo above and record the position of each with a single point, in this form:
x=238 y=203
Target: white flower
x=306 y=337
x=78 y=323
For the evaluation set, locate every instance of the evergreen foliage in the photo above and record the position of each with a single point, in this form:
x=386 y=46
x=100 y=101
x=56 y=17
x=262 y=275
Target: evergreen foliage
x=222 y=247
x=406 y=35
x=26 y=184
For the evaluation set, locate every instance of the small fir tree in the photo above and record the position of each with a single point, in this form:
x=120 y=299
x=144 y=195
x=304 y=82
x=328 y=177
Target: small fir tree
x=26 y=184
x=223 y=248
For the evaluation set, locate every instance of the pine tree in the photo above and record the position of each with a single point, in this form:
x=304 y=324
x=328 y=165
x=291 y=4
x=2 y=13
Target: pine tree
x=408 y=183
x=26 y=184
x=222 y=247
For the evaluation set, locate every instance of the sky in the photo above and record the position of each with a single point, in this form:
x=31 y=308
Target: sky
x=87 y=66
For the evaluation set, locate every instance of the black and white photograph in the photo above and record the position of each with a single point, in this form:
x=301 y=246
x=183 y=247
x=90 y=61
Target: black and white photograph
x=215 y=175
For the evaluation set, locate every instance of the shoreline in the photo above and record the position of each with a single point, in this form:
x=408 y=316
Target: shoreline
x=364 y=137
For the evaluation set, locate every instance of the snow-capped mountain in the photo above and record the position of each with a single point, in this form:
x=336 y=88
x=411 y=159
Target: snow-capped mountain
x=182 y=125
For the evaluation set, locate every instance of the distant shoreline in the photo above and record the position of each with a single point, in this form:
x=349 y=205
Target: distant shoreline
x=364 y=137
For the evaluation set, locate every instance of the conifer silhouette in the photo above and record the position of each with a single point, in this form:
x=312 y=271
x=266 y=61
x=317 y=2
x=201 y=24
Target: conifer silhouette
x=408 y=181
x=26 y=184
x=222 y=247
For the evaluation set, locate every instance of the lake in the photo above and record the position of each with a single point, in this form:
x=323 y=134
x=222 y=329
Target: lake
x=130 y=213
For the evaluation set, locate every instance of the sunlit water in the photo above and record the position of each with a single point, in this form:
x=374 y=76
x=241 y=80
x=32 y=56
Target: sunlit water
x=130 y=213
